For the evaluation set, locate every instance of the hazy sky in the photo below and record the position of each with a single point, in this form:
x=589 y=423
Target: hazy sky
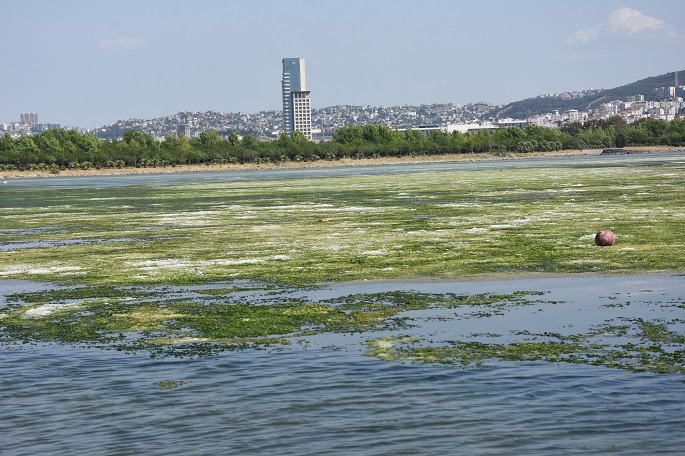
x=91 y=62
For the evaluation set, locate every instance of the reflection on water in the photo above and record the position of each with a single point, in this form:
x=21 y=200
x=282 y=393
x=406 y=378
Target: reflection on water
x=9 y=246
x=324 y=397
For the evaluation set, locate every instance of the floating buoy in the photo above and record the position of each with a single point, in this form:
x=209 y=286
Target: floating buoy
x=197 y=271
x=605 y=238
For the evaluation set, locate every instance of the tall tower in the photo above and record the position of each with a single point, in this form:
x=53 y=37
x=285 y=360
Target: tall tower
x=297 y=108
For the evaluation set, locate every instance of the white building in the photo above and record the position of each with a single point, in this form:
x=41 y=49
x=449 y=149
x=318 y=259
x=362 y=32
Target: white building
x=302 y=113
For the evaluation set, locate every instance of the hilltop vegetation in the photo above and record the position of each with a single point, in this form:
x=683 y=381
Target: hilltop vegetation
x=67 y=149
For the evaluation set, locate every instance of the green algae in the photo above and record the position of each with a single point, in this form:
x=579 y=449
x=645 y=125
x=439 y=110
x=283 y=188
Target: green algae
x=112 y=245
x=185 y=328
x=383 y=348
x=167 y=325
x=651 y=348
x=396 y=226
x=66 y=294
x=170 y=384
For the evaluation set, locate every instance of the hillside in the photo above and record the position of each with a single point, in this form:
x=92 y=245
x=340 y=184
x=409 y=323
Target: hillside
x=266 y=124
x=541 y=105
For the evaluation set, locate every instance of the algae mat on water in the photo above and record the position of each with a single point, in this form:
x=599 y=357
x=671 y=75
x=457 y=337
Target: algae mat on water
x=645 y=335
x=395 y=226
x=112 y=244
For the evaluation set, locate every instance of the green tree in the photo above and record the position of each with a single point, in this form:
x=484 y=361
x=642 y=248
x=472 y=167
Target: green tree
x=616 y=122
x=249 y=142
x=347 y=134
x=26 y=152
x=137 y=146
x=299 y=137
x=209 y=139
x=440 y=140
x=414 y=135
x=233 y=139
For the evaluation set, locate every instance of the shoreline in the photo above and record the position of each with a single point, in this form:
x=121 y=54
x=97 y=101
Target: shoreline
x=345 y=162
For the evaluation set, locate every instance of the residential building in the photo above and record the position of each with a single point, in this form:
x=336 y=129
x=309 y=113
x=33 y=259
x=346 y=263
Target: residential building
x=297 y=108
x=573 y=115
x=183 y=129
x=29 y=118
x=302 y=113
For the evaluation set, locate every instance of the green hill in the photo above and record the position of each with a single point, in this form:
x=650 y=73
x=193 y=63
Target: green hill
x=532 y=106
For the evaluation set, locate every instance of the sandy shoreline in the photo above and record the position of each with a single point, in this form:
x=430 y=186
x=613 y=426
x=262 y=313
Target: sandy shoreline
x=329 y=163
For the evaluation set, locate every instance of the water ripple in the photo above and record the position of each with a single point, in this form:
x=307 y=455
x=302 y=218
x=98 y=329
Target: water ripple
x=75 y=401
x=313 y=400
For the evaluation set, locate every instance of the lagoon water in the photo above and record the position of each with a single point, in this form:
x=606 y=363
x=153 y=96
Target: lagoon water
x=324 y=397
x=67 y=182
x=321 y=395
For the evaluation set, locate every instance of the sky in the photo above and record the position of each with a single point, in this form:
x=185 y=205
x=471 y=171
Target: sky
x=89 y=63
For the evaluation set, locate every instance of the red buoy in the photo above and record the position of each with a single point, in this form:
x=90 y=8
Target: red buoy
x=604 y=238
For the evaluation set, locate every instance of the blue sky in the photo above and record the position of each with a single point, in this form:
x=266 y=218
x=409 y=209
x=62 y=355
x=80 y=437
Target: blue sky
x=87 y=62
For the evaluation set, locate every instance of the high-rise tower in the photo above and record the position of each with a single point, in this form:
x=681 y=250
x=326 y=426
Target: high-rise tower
x=297 y=107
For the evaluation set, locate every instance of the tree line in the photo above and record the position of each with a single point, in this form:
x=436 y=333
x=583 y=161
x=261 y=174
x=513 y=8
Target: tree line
x=58 y=149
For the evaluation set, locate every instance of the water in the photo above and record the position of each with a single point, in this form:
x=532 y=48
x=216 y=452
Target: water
x=61 y=401
x=72 y=182
x=325 y=397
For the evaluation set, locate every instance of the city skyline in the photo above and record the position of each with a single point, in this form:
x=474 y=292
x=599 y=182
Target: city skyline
x=88 y=64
